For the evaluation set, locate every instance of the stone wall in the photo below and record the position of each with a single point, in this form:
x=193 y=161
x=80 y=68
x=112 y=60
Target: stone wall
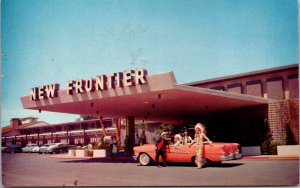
x=283 y=115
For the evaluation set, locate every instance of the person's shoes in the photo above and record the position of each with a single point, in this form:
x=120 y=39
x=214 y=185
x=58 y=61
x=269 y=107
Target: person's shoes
x=158 y=165
x=165 y=165
x=199 y=167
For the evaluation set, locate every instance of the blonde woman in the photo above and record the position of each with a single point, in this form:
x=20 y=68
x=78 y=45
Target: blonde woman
x=198 y=141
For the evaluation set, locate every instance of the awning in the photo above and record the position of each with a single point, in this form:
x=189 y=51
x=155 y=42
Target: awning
x=160 y=99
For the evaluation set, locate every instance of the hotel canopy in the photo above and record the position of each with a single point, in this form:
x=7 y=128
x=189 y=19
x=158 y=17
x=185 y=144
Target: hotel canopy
x=155 y=97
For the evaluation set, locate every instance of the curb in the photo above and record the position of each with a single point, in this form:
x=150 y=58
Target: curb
x=258 y=158
x=88 y=158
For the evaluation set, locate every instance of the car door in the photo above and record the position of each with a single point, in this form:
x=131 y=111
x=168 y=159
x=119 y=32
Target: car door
x=179 y=153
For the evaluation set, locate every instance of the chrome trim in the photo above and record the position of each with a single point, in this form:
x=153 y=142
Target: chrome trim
x=231 y=156
x=237 y=155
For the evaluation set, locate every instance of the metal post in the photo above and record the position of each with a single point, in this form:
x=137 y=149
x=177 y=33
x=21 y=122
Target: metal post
x=38 y=139
x=67 y=136
x=84 y=140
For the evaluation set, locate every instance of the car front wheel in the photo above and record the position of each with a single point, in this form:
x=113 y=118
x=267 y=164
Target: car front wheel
x=144 y=159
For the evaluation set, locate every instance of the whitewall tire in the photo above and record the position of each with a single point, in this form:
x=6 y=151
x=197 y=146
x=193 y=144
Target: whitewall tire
x=144 y=159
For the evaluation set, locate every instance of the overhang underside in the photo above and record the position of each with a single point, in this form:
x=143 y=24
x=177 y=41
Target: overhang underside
x=177 y=104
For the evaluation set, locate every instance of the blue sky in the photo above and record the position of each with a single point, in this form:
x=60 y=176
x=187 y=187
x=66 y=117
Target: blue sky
x=53 y=41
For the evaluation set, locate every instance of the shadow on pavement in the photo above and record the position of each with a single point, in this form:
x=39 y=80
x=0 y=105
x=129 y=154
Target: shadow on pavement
x=214 y=165
x=225 y=165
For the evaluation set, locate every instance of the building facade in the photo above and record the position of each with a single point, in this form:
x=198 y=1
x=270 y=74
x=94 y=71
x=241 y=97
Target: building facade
x=235 y=108
x=39 y=132
x=280 y=85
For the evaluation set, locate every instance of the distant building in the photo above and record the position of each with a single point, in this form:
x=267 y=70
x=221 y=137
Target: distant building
x=29 y=130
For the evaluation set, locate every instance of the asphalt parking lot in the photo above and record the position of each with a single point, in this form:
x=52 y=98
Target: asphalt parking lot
x=42 y=170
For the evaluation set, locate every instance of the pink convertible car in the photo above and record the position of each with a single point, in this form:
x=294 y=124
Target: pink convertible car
x=216 y=153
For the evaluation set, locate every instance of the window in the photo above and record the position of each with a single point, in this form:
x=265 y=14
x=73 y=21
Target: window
x=294 y=86
x=275 y=88
x=254 y=88
x=236 y=88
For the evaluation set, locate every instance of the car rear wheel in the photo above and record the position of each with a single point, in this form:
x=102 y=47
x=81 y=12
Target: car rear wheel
x=144 y=159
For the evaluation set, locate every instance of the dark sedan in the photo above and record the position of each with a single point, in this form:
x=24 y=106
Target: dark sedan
x=13 y=149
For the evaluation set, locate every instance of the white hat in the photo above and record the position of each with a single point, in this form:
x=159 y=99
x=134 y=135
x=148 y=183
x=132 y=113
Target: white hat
x=163 y=133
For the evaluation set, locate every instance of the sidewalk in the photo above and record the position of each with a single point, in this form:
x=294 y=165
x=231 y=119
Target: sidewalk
x=126 y=158
x=270 y=157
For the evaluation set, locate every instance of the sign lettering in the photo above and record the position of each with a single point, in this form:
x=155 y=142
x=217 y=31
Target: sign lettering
x=99 y=83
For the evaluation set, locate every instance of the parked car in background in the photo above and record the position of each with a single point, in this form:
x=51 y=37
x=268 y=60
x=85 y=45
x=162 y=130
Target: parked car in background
x=44 y=147
x=13 y=149
x=3 y=148
x=216 y=153
x=29 y=148
x=59 y=148
x=35 y=149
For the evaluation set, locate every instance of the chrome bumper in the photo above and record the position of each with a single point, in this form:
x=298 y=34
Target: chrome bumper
x=232 y=156
x=135 y=157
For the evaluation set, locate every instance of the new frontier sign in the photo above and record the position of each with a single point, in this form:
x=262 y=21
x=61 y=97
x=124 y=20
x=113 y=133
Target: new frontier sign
x=99 y=83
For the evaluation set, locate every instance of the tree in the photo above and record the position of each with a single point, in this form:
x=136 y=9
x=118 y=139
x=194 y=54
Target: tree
x=86 y=117
x=289 y=135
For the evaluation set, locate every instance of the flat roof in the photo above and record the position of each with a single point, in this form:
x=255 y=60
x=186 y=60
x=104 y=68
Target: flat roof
x=247 y=74
x=161 y=99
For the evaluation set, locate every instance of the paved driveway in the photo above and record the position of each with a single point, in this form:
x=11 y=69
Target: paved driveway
x=41 y=170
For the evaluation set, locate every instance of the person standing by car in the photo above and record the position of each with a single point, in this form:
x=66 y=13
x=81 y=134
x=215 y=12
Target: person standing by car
x=143 y=138
x=198 y=141
x=160 y=148
x=136 y=140
x=186 y=138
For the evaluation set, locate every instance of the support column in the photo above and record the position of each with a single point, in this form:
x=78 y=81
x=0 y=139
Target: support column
x=285 y=85
x=38 y=138
x=84 y=140
x=130 y=131
x=264 y=89
x=244 y=88
x=118 y=127
x=67 y=136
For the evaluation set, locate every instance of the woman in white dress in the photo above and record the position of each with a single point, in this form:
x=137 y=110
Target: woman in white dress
x=114 y=146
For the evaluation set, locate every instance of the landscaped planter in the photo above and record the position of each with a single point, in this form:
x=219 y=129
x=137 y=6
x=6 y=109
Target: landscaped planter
x=251 y=151
x=72 y=153
x=288 y=150
x=99 y=153
x=81 y=153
